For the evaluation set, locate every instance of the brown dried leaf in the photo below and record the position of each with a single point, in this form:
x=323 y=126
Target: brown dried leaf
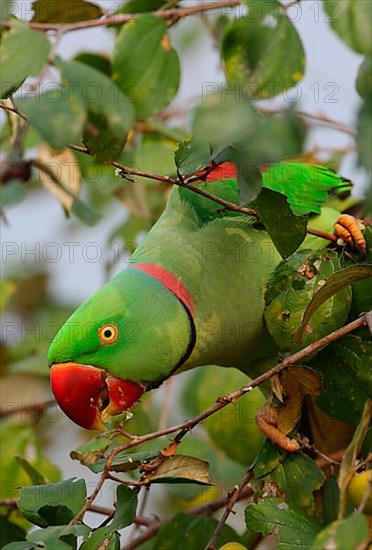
x=180 y=468
x=267 y=420
x=309 y=380
x=296 y=383
x=277 y=388
x=279 y=419
x=170 y=450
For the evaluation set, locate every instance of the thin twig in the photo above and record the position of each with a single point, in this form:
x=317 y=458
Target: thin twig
x=324 y=460
x=130 y=483
x=100 y=510
x=327 y=121
x=12 y=110
x=88 y=503
x=232 y=500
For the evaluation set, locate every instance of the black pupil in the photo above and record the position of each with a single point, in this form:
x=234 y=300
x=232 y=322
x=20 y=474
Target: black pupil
x=107 y=333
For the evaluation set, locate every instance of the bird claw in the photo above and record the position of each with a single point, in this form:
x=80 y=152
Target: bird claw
x=349 y=230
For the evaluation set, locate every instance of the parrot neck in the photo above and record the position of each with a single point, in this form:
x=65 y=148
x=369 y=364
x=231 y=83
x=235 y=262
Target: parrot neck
x=170 y=281
x=176 y=287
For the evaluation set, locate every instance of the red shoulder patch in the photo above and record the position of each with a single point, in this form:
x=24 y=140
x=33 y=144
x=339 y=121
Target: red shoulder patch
x=227 y=170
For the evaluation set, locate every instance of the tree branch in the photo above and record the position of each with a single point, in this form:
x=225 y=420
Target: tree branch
x=122 y=18
x=231 y=397
x=227 y=205
x=88 y=503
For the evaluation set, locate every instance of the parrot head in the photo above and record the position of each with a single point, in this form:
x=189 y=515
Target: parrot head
x=127 y=338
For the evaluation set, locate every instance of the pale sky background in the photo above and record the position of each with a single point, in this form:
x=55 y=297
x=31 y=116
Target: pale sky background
x=331 y=66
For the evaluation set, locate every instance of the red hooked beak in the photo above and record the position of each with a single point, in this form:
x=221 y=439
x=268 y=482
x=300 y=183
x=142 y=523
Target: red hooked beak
x=88 y=395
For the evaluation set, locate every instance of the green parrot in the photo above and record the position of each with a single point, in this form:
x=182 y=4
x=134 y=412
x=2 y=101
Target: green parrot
x=192 y=295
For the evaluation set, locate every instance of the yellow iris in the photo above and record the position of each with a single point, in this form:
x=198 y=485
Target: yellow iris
x=108 y=334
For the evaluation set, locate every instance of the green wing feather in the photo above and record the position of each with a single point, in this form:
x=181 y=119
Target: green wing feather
x=307 y=188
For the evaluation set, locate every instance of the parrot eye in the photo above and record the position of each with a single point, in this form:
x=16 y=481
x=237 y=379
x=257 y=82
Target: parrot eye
x=108 y=334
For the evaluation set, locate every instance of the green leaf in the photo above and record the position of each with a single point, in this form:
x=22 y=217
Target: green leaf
x=91 y=452
x=278 y=136
x=126 y=506
x=364 y=135
x=176 y=134
x=268 y=459
x=10 y=532
x=345 y=367
x=36 y=477
x=181 y=469
x=21 y=439
x=68 y=11
x=18 y=59
x=146 y=67
x=298 y=477
x=110 y=112
x=94 y=453
x=156 y=156
x=362 y=290
x=351 y=532
x=53 y=503
x=85 y=213
x=57 y=116
x=95 y=60
x=352 y=21
x=191 y=157
x=194 y=532
x=291 y=288
x=11 y=193
x=331 y=498
x=223 y=119
x=286 y=230
x=22 y=545
x=50 y=537
x=292 y=528
x=102 y=538
x=249 y=179
x=139 y=6
x=262 y=51
x=334 y=284
x=363 y=82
